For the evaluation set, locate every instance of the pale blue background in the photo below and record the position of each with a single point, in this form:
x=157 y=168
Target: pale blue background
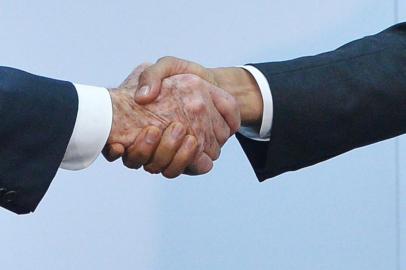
x=347 y=213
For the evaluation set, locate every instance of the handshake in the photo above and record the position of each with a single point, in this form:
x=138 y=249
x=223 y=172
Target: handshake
x=173 y=117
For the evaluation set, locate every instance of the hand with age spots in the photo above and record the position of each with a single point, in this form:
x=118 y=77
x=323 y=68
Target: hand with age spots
x=236 y=81
x=182 y=131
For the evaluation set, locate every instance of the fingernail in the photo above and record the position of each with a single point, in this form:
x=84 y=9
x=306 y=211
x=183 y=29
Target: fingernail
x=151 y=137
x=143 y=91
x=177 y=131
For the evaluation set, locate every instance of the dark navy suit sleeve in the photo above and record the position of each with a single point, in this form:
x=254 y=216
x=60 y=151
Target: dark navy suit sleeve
x=332 y=103
x=37 y=119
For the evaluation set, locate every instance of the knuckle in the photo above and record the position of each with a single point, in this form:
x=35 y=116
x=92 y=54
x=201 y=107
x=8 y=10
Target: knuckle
x=145 y=72
x=168 y=83
x=183 y=159
x=166 y=59
x=189 y=81
x=171 y=144
x=140 y=68
x=196 y=106
x=200 y=106
x=145 y=75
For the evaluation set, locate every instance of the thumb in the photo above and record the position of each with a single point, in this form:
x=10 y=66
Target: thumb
x=151 y=78
x=149 y=85
x=113 y=151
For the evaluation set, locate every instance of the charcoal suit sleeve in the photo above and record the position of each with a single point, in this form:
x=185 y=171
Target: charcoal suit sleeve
x=37 y=119
x=331 y=103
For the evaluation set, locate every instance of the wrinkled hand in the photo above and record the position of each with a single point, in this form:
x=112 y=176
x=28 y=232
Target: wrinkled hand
x=151 y=78
x=236 y=81
x=184 y=127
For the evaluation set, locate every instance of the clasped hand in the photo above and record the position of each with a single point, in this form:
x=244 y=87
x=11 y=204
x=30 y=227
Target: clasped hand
x=181 y=131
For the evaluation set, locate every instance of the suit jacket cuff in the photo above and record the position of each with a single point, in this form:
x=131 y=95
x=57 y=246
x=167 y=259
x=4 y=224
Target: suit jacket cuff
x=266 y=125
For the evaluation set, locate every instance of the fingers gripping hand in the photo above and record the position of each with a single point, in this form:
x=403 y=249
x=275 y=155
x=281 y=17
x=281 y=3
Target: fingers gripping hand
x=184 y=99
x=151 y=78
x=199 y=100
x=141 y=151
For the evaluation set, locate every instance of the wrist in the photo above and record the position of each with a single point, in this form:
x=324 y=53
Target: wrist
x=243 y=87
x=115 y=100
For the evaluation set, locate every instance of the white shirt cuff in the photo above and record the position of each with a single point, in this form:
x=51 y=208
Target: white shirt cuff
x=92 y=127
x=267 y=116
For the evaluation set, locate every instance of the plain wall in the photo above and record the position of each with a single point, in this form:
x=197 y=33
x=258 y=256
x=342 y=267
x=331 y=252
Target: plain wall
x=347 y=213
